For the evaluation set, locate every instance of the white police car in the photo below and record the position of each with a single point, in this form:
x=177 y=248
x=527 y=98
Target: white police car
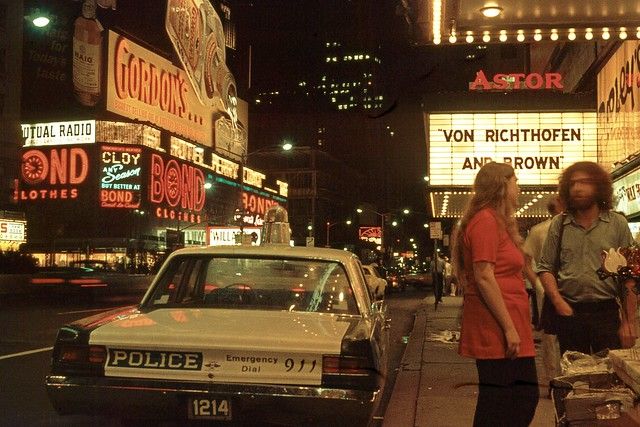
x=234 y=334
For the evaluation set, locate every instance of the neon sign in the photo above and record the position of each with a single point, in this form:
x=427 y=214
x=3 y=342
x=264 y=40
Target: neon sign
x=256 y=205
x=179 y=186
x=120 y=177
x=503 y=81
x=63 y=169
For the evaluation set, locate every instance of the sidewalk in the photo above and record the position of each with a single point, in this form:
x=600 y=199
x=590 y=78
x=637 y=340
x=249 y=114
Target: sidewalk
x=436 y=387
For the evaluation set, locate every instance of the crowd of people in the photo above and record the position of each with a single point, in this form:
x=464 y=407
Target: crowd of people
x=578 y=310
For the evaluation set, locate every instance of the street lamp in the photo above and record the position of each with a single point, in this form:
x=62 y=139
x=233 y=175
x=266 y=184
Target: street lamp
x=331 y=224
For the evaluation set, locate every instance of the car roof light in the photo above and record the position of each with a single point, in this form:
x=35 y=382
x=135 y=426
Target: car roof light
x=275 y=229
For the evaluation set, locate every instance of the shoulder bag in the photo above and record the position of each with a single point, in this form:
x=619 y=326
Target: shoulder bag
x=548 y=315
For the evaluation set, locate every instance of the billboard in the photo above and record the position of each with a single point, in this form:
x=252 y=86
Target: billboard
x=538 y=145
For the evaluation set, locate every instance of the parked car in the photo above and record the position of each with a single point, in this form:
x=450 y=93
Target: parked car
x=274 y=333
x=377 y=284
x=418 y=278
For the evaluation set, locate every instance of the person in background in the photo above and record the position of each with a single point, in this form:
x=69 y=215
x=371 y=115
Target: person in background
x=589 y=317
x=496 y=320
x=449 y=287
x=533 y=248
x=438 y=278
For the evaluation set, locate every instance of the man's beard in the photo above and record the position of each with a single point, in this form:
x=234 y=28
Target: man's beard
x=581 y=203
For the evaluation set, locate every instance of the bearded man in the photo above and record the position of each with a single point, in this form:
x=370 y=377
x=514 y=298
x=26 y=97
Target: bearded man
x=589 y=315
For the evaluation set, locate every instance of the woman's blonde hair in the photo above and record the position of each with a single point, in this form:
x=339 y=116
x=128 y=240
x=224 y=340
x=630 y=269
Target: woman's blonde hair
x=489 y=191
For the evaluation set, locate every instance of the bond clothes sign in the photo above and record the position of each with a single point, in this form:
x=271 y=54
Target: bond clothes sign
x=52 y=173
x=538 y=145
x=146 y=87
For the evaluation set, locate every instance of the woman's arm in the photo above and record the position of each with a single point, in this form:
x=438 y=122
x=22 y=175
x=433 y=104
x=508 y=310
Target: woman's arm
x=490 y=291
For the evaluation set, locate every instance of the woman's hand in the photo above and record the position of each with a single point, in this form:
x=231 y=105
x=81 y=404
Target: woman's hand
x=513 y=343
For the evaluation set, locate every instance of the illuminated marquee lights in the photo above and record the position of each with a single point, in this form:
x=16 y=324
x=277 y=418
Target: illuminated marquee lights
x=538 y=145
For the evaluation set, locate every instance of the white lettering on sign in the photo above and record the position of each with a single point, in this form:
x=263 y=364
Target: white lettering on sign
x=187 y=151
x=218 y=236
x=12 y=230
x=537 y=145
x=58 y=133
x=626 y=193
x=224 y=167
x=252 y=177
x=283 y=188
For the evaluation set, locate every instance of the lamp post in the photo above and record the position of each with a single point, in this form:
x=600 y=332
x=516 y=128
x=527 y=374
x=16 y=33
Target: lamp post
x=331 y=224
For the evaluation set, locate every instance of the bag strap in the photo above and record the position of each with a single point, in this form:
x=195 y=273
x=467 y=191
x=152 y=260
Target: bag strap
x=556 y=267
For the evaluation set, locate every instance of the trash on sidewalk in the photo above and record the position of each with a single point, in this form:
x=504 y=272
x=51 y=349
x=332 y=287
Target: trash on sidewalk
x=445 y=336
x=575 y=362
x=590 y=396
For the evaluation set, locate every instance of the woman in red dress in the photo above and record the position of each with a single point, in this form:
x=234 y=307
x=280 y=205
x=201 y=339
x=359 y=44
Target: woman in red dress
x=496 y=327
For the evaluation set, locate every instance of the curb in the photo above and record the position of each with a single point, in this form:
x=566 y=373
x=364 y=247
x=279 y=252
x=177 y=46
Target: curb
x=401 y=409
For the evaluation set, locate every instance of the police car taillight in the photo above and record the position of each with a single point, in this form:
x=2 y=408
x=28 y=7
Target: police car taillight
x=349 y=372
x=93 y=354
x=345 y=365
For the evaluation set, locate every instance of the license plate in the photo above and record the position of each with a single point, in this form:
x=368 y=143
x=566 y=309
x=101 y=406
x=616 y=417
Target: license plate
x=209 y=408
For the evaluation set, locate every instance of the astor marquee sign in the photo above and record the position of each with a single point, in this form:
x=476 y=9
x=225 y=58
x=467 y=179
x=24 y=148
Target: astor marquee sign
x=538 y=145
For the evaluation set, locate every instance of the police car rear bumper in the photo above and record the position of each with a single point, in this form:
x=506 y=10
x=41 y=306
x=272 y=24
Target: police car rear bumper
x=160 y=399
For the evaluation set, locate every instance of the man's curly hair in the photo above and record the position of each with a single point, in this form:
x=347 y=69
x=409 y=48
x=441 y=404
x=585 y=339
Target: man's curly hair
x=600 y=177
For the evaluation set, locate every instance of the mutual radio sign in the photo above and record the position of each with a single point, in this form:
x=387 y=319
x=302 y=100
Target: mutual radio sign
x=538 y=145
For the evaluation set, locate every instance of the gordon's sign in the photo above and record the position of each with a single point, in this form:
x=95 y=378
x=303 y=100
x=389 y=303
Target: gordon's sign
x=146 y=87
x=538 y=145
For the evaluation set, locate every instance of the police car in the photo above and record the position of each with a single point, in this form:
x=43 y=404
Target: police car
x=289 y=335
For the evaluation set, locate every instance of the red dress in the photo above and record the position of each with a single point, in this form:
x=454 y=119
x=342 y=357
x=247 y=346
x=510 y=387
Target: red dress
x=481 y=336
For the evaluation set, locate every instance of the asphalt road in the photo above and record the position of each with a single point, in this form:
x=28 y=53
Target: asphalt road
x=28 y=327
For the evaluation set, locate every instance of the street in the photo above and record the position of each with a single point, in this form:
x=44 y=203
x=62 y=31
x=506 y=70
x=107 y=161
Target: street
x=30 y=325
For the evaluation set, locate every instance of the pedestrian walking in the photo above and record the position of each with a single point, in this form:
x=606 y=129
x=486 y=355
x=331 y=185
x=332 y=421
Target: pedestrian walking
x=438 y=278
x=496 y=320
x=593 y=314
x=533 y=248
